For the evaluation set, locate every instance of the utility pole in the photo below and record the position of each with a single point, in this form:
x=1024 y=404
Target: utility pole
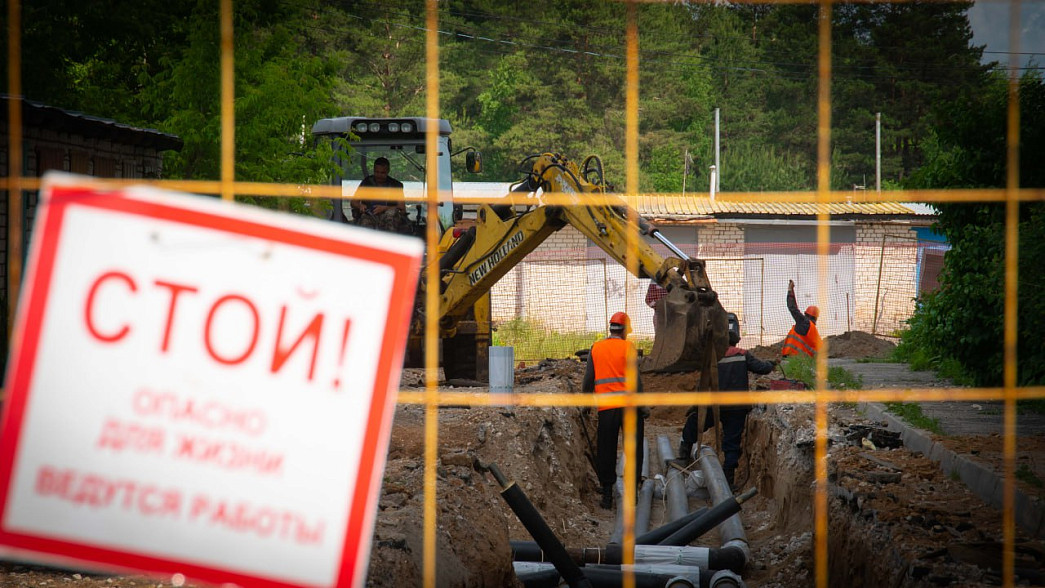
x=685 y=170
x=713 y=183
x=717 y=147
x=878 y=152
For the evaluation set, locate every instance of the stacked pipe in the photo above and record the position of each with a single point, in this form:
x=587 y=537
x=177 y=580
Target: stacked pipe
x=644 y=503
x=662 y=556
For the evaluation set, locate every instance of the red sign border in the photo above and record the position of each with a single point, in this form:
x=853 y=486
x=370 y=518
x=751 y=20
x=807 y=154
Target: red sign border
x=23 y=357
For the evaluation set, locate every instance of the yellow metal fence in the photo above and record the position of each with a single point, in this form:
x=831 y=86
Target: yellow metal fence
x=432 y=398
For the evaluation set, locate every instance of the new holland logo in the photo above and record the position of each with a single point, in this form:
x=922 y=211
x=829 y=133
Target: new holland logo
x=495 y=257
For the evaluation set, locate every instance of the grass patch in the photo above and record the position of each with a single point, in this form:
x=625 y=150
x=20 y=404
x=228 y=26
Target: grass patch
x=532 y=341
x=803 y=367
x=952 y=370
x=1031 y=406
x=912 y=413
x=888 y=359
x=955 y=476
x=920 y=360
x=1024 y=474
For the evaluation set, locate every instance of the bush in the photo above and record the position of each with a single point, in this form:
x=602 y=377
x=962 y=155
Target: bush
x=803 y=367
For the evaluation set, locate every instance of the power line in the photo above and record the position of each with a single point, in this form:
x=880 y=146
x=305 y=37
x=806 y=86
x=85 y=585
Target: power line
x=1015 y=53
x=687 y=63
x=675 y=62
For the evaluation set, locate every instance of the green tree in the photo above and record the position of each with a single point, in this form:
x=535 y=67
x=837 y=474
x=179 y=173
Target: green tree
x=962 y=321
x=96 y=57
x=280 y=90
x=902 y=60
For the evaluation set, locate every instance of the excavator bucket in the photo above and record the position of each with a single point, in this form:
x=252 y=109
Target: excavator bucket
x=684 y=321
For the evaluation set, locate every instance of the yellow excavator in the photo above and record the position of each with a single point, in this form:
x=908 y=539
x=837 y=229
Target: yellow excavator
x=689 y=321
x=691 y=327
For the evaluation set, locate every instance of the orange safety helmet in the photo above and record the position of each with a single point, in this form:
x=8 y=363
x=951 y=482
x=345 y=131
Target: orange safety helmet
x=813 y=312
x=620 y=318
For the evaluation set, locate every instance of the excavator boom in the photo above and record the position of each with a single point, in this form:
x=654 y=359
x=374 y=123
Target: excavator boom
x=690 y=322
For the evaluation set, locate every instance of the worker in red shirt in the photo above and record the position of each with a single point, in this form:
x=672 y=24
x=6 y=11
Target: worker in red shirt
x=803 y=337
x=605 y=376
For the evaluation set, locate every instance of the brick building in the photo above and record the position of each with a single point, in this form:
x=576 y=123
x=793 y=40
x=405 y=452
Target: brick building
x=65 y=140
x=877 y=262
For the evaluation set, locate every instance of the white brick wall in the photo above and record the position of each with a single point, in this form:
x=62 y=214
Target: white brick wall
x=722 y=246
x=558 y=288
x=886 y=259
x=543 y=287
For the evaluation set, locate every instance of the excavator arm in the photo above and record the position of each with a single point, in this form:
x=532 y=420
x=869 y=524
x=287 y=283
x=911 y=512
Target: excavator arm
x=690 y=322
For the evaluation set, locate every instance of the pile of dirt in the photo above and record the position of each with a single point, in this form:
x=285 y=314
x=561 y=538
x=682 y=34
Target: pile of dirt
x=566 y=374
x=851 y=344
x=922 y=527
x=859 y=345
x=768 y=352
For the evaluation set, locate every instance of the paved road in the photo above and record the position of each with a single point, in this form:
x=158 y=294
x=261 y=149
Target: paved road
x=955 y=418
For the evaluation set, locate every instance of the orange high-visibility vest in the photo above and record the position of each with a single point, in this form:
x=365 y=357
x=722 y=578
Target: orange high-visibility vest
x=610 y=359
x=795 y=343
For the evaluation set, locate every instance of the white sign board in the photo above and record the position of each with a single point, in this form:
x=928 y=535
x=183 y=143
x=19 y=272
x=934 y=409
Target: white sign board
x=201 y=388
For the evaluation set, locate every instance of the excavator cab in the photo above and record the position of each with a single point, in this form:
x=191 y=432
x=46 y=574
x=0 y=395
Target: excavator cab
x=357 y=142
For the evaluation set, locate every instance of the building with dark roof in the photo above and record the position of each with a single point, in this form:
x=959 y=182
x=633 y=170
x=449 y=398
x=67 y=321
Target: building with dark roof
x=65 y=140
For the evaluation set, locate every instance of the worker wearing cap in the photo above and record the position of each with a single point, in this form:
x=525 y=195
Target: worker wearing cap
x=733 y=371
x=803 y=337
x=605 y=376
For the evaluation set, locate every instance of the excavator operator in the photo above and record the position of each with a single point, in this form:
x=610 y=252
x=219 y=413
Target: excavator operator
x=387 y=215
x=605 y=376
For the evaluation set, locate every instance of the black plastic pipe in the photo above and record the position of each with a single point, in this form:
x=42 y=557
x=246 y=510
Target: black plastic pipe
x=709 y=520
x=535 y=576
x=730 y=557
x=660 y=533
x=539 y=530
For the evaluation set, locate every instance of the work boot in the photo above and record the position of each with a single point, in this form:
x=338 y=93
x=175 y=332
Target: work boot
x=607 y=497
x=728 y=474
x=685 y=455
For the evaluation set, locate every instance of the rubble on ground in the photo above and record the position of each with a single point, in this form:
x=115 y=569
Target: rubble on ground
x=894 y=518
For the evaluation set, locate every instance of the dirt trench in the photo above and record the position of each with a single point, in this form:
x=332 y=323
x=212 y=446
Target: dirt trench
x=894 y=518
x=544 y=450
x=902 y=524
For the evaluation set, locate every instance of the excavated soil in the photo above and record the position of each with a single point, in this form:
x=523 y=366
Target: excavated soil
x=851 y=345
x=859 y=345
x=895 y=519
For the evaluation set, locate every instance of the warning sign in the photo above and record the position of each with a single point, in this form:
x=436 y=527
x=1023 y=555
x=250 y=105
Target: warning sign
x=201 y=388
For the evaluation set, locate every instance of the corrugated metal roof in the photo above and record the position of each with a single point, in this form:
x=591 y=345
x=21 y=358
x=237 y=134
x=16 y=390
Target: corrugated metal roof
x=695 y=206
x=670 y=206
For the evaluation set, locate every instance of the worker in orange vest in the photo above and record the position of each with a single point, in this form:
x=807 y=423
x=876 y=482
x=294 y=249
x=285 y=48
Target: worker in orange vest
x=605 y=376
x=803 y=337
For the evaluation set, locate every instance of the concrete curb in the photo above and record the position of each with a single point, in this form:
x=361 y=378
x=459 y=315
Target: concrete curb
x=983 y=482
